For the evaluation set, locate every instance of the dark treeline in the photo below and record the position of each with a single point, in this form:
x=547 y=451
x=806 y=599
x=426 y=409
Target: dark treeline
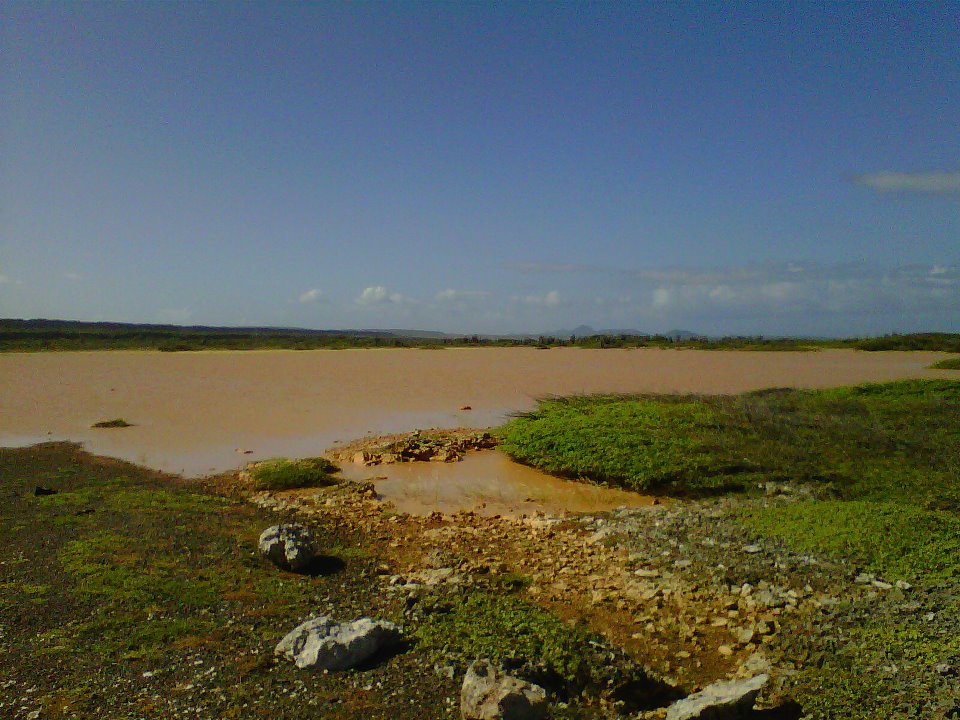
x=45 y=335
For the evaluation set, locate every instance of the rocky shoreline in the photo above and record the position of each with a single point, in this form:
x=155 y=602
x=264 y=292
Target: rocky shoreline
x=417 y=446
x=681 y=587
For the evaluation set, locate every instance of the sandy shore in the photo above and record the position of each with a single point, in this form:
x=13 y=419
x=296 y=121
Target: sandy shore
x=192 y=412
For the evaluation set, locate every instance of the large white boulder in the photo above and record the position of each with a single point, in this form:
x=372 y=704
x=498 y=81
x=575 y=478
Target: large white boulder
x=489 y=694
x=289 y=546
x=720 y=700
x=324 y=644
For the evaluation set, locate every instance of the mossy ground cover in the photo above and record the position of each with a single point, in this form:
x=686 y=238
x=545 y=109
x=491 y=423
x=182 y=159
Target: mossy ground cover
x=132 y=594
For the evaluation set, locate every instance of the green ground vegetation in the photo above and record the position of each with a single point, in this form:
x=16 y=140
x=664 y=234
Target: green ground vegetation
x=883 y=459
x=283 y=474
x=948 y=364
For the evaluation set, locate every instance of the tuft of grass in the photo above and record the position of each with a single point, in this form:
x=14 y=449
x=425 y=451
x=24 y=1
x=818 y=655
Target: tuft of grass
x=283 y=474
x=115 y=423
x=948 y=364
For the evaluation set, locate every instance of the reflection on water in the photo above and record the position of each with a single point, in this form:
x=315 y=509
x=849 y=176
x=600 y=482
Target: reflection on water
x=488 y=483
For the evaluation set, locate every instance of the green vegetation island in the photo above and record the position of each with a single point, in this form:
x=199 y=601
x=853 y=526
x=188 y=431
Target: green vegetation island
x=808 y=540
x=64 y=335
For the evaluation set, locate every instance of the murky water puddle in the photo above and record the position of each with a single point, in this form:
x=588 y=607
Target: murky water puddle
x=489 y=483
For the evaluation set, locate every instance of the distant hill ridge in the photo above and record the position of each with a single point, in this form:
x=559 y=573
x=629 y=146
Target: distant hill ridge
x=19 y=335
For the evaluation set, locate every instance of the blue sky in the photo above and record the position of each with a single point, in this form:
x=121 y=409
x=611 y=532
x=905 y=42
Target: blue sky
x=728 y=168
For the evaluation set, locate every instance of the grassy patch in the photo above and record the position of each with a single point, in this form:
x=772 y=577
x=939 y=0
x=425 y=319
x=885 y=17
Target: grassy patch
x=637 y=442
x=282 y=474
x=896 y=540
x=115 y=423
x=866 y=442
x=948 y=364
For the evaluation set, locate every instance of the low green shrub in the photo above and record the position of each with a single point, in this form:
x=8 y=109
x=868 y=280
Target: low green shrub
x=283 y=474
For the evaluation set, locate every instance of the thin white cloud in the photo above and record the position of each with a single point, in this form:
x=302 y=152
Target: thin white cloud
x=928 y=183
x=72 y=276
x=777 y=290
x=549 y=299
x=379 y=295
x=311 y=295
x=451 y=295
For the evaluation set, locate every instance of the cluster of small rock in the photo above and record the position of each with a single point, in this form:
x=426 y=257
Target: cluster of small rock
x=424 y=447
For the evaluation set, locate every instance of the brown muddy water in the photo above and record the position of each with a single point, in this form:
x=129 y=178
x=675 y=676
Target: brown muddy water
x=202 y=412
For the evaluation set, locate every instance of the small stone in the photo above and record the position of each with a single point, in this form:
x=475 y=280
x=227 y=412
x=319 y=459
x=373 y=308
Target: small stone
x=725 y=650
x=752 y=549
x=881 y=585
x=490 y=694
x=903 y=585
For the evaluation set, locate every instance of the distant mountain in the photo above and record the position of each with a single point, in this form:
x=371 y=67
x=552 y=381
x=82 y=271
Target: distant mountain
x=587 y=331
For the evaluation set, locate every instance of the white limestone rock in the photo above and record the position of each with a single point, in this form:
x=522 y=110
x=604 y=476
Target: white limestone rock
x=324 y=644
